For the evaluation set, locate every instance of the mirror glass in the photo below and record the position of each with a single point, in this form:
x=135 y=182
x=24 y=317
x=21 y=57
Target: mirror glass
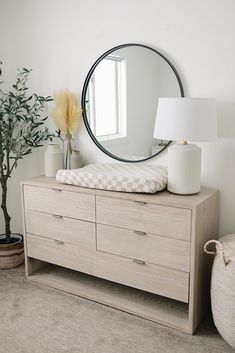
x=120 y=99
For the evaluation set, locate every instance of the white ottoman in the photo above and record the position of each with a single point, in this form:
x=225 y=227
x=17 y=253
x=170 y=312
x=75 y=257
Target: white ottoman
x=223 y=286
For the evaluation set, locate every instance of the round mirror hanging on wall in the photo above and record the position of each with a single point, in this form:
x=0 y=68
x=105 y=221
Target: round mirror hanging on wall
x=120 y=98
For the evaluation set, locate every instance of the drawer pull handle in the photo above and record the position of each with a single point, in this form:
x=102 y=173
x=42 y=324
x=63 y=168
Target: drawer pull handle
x=57 y=190
x=59 y=242
x=57 y=216
x=140 y=202
x=139 y=232
x=139 y=261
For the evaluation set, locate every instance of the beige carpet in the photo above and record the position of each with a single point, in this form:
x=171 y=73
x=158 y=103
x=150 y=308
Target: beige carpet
x=38 y=319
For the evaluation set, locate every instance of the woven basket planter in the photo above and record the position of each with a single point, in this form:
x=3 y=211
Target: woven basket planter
x=12 y=255
x=223 y=287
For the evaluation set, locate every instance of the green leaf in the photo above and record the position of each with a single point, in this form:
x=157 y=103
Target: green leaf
x=22 y=122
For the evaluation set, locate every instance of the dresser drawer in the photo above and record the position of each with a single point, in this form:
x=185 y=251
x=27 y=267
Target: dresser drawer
x=155 y=219
x=151 y=248
x=152 y=278
x=56 y=227
x=61 y=253
x=60 y=202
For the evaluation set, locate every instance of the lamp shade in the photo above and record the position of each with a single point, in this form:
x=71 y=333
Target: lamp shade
x=186 y=119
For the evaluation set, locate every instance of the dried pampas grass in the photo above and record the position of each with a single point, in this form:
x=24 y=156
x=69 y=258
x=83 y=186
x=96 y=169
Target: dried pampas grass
x=66 y=113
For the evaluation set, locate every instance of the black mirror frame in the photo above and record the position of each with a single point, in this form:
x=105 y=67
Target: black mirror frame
x=83 y=99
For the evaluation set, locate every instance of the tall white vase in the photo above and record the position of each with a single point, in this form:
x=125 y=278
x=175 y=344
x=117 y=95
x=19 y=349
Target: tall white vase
x=53 y=159
x=75 y=160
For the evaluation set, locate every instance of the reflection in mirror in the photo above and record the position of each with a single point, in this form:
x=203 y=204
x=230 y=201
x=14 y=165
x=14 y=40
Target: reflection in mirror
x=120 y=99
x=107 y=99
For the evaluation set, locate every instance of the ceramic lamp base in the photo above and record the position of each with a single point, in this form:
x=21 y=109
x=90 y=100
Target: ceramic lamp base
x=184 y=169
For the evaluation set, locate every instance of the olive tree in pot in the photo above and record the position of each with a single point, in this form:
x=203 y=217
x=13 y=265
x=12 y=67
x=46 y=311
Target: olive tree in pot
x=22 y=128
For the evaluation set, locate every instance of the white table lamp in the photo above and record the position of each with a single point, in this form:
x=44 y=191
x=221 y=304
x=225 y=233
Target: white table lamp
x=183 y=120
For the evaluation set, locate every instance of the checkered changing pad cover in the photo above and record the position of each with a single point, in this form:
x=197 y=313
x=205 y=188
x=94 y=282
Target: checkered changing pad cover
x=117 y=177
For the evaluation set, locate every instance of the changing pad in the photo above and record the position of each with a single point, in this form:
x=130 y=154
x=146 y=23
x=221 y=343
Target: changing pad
x=117 y=177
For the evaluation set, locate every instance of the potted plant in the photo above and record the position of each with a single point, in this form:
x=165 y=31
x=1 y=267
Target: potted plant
x=22 y=128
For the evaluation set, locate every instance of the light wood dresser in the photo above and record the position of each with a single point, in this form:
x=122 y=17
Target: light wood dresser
x=138 y=253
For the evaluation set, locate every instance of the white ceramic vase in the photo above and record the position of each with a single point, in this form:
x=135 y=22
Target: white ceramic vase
x=75 y=160
x=53 y=159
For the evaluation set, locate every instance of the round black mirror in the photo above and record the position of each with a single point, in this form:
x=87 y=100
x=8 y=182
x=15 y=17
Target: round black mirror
x=120 y=98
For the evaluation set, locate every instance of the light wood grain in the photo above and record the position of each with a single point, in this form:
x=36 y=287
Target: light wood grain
x=34 y=266
x=169 y=221
x=205 y=227
x=154 y=249
x=60 y=202
x=69 y=230
x=152 y=278
x=149 y=306
x=160 y=198
x=23 y=228
x=63 y=254
x=156 y=219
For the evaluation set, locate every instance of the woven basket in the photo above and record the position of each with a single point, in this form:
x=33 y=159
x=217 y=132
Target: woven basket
x=223 y=286
x=12 y=255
